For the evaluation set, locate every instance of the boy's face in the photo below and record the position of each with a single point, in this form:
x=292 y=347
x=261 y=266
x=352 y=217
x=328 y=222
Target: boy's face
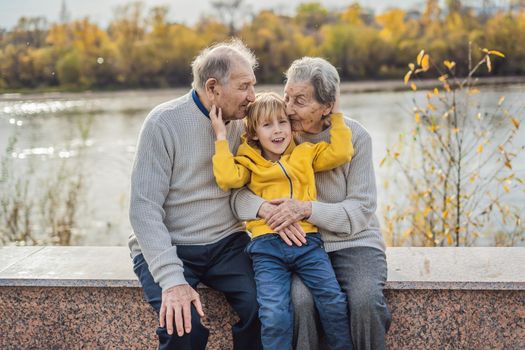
x=234 y=96
x=274 y=135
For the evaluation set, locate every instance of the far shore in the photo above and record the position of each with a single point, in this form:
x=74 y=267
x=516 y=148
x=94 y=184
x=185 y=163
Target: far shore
x=347 y=87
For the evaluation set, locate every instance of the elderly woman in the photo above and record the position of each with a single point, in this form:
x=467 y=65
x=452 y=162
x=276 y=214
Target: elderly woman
x=344 y=212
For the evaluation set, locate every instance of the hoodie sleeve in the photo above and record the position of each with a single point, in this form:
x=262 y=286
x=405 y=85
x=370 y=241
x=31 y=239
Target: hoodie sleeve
x=339 y=151
x=227 y=172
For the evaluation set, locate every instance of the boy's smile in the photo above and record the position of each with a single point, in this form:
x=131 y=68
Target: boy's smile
x=274 y=135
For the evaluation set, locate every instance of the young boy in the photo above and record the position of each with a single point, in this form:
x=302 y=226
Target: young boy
x=272 y=166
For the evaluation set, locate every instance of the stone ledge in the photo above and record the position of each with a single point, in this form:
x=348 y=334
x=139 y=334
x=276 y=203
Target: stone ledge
x=440 y=298
x=408 y=268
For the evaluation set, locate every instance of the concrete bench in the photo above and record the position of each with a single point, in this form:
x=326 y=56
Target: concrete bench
x=89 y=298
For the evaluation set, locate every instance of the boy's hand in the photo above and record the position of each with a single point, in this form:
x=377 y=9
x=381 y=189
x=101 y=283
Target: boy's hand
x=217 y=123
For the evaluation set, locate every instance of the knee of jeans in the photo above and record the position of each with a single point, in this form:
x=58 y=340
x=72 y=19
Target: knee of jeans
x=276 y=320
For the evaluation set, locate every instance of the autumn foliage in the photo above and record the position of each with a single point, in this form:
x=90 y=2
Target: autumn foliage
x=142 y=48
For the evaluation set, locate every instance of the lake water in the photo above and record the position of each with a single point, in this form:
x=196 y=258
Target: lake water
x=96 y=134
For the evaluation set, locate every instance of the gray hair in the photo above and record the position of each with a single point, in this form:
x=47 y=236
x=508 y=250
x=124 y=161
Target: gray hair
x=216 y=62
x=320 y=73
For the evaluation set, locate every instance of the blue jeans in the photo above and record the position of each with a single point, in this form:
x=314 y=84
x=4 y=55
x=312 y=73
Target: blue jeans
x=223 y=266
x=273 y=263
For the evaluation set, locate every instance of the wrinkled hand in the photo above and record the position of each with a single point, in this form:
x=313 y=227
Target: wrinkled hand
x=292 y=234
x=287 y=212
x=176 y=305
x=217 y=123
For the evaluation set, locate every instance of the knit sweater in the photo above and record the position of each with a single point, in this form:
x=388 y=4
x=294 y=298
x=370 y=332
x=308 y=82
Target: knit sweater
x=174 y=197
x=291 y=176
x=347 y=199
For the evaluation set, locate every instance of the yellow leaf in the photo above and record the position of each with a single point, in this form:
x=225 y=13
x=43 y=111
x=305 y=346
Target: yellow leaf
x=506 y=188
x=431 y=107
x=433 y=127
x=449 y=239
x=444 y=214
x=413 y=86
x=382 y=161
x=508 y=164
x=449 y=64
x=497 y=53
x=516 y=123
x=485 y=50
x=408 y=232
x=473 y=91
x=424 y=63
x=501 y=99
x=407 y=76
x=489 y=64
x=436 y=91
x=420 y=57
x=443 y=77
x=426 y=212
x=396 y=154
x=411 y=66
x=479 y=149
x=473 y=178
x=455 y=130
x=416 y=117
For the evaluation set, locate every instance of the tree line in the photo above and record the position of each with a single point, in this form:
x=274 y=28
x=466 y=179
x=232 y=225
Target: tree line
x=141 y=48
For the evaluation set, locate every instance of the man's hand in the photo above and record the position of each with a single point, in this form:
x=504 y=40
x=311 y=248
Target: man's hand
x=217 y=123
x=176 y=305
x=288 y=211
x=291 y=234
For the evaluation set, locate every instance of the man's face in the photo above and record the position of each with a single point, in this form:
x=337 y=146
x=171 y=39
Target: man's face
x=234 y=96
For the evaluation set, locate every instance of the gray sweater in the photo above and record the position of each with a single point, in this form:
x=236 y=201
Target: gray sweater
x=174 y=197
x=347 y=199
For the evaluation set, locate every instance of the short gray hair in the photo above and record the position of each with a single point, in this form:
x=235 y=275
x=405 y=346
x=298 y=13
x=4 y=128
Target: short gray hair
x=216 y=62
x=320 y=73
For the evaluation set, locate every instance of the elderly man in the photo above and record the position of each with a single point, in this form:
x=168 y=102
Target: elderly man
x=184 y=231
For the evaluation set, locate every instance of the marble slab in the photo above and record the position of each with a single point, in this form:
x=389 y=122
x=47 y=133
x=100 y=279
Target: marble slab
x=408 y=267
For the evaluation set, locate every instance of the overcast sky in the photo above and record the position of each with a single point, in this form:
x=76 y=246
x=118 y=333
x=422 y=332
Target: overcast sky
x=185 y=11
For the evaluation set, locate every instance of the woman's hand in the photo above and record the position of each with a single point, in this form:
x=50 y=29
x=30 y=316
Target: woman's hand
x=217 y=123
x=288 y=211
x=292 y=234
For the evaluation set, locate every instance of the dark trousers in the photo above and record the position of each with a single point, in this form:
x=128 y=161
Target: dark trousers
x=223 y=266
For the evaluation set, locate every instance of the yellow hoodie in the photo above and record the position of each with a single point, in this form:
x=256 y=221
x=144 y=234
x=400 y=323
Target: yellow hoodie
x=290 y=177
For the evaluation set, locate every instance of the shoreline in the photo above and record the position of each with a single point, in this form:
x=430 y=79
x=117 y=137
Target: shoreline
x=364 y=86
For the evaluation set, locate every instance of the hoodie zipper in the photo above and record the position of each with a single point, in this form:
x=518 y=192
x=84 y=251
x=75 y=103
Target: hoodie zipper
x=288 y=177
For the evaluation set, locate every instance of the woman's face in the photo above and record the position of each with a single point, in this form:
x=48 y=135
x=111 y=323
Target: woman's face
x=302 y=108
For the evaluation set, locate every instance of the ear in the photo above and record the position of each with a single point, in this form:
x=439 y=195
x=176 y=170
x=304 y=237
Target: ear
x=327 y=109
x=212 y=88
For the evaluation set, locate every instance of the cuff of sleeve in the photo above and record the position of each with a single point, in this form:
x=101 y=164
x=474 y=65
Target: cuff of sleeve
x=319 y=212
x=250 y=205
x=174 y=279
x=222 y=147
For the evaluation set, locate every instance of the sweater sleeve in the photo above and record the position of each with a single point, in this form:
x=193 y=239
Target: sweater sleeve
x=227 y=172
x=328 y=156
x=245 y=204
x=150 y=181
x=353 y=214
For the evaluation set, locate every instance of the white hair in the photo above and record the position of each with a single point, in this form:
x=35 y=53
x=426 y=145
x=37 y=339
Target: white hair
x=320 y=73
x=216 y=62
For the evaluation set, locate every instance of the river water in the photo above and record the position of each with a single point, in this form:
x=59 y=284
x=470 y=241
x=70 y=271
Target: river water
x=95 y=134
